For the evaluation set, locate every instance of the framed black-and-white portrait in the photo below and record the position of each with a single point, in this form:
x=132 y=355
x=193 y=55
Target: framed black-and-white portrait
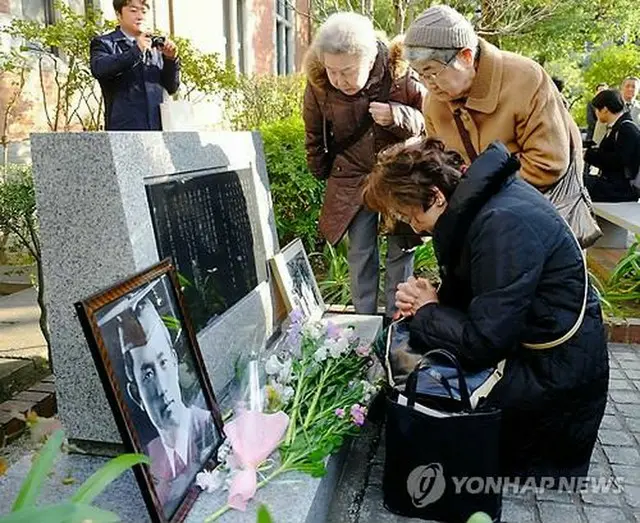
x=154 y=377
x=296 y=281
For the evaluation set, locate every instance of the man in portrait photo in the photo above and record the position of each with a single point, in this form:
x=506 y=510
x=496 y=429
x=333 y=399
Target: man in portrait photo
x=186 y=434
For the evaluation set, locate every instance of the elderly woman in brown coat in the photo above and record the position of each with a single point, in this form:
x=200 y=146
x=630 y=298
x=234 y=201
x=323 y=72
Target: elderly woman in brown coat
x=360 y=97
x=479 y=94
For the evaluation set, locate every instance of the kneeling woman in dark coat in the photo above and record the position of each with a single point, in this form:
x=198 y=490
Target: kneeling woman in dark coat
x=512 y=275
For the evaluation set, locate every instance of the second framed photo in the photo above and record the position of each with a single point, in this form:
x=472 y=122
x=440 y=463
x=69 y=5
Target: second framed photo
x=153 y=374
x=296 y=281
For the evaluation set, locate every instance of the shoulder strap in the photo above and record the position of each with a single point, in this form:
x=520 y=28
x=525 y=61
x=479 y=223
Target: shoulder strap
x=578 y=324
x=464 y=135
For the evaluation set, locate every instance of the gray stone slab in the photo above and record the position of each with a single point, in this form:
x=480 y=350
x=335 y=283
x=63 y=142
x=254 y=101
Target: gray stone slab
x=605 y=515
x=616 y=348
x=625 y=215
x=611 y=423
x=373 y=511
x=622 y=384
x=617 y=374
x=616 y=437
x=554 y=495
x=609 y=499
x=632 y=495
x=292 y=498
x=96 y=230
x=622 y=455
x=599 y=470
x=518 y=511
x=558 y=513
x=353 y=481
x=633 y=424
x=625 y=396
x=628 y=410
x=626 y=474
x=627 y=355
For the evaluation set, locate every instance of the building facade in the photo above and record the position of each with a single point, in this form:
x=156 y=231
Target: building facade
x=257 y=36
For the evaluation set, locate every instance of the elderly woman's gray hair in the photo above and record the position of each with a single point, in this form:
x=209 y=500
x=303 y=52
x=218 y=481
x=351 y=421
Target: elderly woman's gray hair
x=346 y=33
x=439 y=33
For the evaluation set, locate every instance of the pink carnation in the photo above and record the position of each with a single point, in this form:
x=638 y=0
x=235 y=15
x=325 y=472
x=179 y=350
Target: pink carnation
x=363 y=350
x=339 y=413
x=358 y=414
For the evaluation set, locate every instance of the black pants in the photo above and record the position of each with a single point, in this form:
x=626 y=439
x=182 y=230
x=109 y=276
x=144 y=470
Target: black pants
x=609 y=189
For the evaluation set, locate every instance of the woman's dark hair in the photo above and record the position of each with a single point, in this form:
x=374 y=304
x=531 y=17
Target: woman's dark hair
x=119 y=4
x=407 y=174
x=558 y=82
x=609 y=98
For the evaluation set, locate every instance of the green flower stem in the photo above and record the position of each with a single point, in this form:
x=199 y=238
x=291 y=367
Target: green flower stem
x=283 y=468
x=316 y=397
x=296 y=401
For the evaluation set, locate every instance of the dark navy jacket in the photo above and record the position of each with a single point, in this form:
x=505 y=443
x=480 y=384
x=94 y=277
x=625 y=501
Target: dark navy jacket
x=512 y=272
x=132 y=86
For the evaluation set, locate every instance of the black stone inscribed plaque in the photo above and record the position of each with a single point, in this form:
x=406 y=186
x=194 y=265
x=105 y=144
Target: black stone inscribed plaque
x=201 y=220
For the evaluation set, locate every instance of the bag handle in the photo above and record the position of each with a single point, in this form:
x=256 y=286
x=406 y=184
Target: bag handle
x=578 y=323
x=412 y=380
x=464 y=136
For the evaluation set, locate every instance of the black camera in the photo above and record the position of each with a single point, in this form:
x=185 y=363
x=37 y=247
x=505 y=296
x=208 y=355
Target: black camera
x=158 y=41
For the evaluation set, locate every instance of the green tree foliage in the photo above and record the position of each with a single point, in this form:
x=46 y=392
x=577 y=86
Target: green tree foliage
x=18 y=218
x=255 y=101
x=60 y=52
x=612 y=64
x=297 y=195
x=544 y=30
x=202 y=74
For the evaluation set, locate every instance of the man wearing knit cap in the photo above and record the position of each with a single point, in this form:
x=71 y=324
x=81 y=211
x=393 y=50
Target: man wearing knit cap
x=478 y=94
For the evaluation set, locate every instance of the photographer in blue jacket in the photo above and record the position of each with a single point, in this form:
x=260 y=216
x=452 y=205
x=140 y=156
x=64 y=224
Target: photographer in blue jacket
x=134 y=69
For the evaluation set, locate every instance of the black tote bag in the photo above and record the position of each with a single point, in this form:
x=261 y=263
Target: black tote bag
x=442 y=458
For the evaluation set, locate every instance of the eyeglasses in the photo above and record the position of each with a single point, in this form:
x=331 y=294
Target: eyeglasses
x=433 y=77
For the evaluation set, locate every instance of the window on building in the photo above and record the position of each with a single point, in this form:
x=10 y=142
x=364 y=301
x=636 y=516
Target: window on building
x=38 y=11
x=285 y=37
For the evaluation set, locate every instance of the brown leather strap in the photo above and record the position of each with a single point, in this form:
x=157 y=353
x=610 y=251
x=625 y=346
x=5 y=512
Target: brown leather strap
x=464 y=134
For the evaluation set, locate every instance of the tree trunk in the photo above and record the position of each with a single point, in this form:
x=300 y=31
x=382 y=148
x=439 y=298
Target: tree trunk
x=44 y=325
x=44 y=317
x=4 y=238
x=400 y=11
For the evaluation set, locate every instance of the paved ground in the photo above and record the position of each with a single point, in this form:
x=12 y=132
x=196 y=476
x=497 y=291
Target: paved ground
x=359 y=496
x=20 y=335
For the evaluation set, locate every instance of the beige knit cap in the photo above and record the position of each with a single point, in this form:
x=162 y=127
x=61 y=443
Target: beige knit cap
x=441 y=27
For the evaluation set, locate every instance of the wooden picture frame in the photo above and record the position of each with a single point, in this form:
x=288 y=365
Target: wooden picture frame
x=154 y=377
x=295 y=279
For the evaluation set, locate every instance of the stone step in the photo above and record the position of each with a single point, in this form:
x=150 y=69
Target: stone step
x=18 y=374
x=39 y=398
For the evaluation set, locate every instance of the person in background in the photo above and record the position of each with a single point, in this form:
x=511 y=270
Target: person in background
x=559 y=83
x=479 y=94
x=595 y=129
x=515 y=288
x=133 y=70
x=360 y=97
x=630 y=88
x=618 y=155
